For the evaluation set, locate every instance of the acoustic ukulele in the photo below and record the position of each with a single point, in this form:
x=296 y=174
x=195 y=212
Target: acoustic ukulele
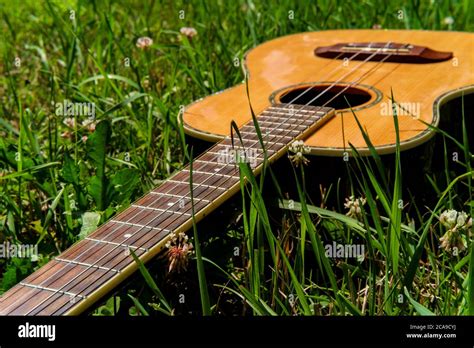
x=300 y=87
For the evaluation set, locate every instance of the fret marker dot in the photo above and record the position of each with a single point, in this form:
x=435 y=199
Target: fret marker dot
x=170 y=204
x=127 y=235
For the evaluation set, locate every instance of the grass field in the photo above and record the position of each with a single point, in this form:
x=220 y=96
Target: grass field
x=61 y=176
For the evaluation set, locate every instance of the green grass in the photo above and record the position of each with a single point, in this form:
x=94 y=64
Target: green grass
x=50 y=177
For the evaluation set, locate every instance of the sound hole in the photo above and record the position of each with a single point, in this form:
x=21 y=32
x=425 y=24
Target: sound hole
x=320 y=95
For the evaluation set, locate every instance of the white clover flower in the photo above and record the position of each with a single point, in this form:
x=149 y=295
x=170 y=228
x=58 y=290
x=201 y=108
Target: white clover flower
x=89 y=125
x=458 y=228
x=179 y=251
x=461 y=219
x=448 y=20
x=67 y=135
x=354 y=206
x=189 y=32
x=70 y=122
x=144 y=42
x=299 y=149
x=299 y=146
x=448 y=218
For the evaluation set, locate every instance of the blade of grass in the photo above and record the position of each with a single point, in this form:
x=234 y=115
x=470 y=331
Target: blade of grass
x=205 y=304
x=151 y=283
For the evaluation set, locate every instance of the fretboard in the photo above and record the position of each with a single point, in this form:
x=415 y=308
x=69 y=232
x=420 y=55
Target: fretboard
x=91 y=268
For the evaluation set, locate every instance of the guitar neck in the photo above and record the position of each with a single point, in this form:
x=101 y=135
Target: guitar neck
x=91 y=268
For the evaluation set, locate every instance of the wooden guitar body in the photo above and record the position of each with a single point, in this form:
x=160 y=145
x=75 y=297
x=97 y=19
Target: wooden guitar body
x=289 y=64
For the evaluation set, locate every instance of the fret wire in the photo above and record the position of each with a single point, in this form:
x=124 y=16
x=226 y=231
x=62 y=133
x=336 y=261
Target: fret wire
x=278 y=131
x=220 y=154
x=134 y=216
x=253 y=134
x=65 y=270
x=290 y=112
x=156 y=209
x=78 y=283
x=207 y=162
x=264 y=132
x=171 y=199
x=221 y=170
x=137 y=225
x=182 y=203
x=202 y=166
x=270 y=148
x=17 y=289
x=206 y=186
x=65 y=285
x=264 y=123
x=213 y=158
x=273 y=129
x=219 y=181
x=113 y=249
x=256 y=158
x=238 y=143
x=240 y=149
x=274 y=115
x=56 y=276
x=266 y=143
x=230 y=170
x=53 y=290
x=318 y=111
x=212 y=180
x=91 y=257
x=118 y=244
x=201 y=172
x=121 y=232
x=31 y=277
x=176 y=196
x=278 y=117
x=155 y=222
x=48 y=282
x=277 y=123
x=87 y=264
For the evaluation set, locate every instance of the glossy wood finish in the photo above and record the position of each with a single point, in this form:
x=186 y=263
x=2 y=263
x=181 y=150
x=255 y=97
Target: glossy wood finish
x=290 y=60
x=94 y=266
